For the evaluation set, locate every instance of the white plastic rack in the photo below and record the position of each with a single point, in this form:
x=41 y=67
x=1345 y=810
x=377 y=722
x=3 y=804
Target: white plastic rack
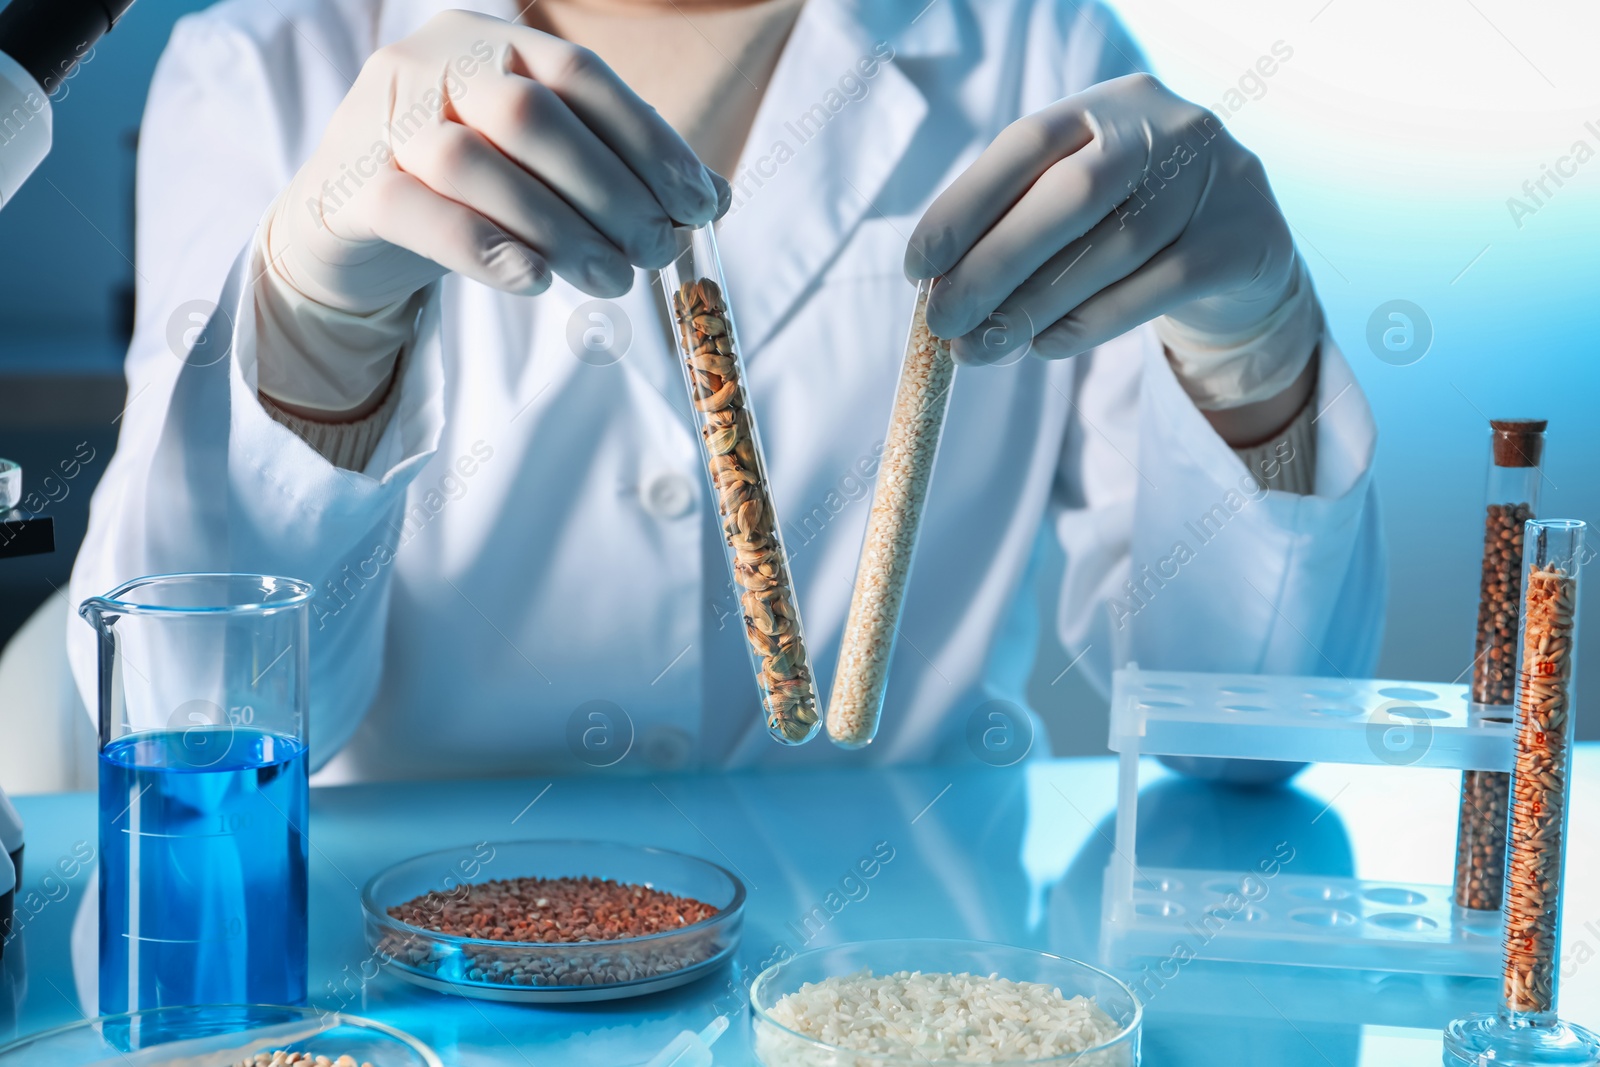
x=1308 y=920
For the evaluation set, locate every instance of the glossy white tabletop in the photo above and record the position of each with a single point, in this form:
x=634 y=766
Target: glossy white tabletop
x=1001 y=854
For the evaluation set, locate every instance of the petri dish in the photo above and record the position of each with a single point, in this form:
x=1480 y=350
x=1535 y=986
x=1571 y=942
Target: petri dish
x=546 y=972
x=217 y=1035
x=778 y=1046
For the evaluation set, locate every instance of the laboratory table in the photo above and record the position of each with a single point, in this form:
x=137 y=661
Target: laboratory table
x=1013 y=854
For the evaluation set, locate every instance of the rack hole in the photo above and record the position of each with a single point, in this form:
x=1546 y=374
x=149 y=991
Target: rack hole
x=1241 y=690
x=1319 y=892
x=1328 y=917
x=1401 y=920
x=1159 y=909
x=1395 y=895
x=1406 y=692
x=1159 y=885
x=1409 y=711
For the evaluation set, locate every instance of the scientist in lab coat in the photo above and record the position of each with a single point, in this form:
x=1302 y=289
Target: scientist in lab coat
x=397 y=335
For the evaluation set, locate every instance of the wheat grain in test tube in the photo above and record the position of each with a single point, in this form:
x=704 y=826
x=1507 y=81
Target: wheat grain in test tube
x=1541 y=775
x=921 y=400
x=762 y=585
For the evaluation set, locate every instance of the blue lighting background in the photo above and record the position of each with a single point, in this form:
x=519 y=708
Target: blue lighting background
x=1394 y=137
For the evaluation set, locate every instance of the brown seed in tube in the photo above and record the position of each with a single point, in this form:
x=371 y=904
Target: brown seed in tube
x=734 y=495
x=758 y=613
x=750 y=513
x=755 y=581
x=720 y=399
x=722 y=440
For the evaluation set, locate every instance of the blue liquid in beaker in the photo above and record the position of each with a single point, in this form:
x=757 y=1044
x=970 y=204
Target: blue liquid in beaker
x=203 y=869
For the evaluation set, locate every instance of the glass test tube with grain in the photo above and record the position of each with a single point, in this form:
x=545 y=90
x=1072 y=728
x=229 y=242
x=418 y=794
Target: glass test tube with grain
x=1541 y=779
x=1526 y=1030
x=1512 y=498
x=910 y=447
x=713 y=371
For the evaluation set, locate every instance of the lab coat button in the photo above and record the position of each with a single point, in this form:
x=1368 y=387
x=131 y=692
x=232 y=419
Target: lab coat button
x=666 y=748
x=668 y=496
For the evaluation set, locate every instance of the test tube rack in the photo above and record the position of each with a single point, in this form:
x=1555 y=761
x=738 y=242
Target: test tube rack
x=1305 y=920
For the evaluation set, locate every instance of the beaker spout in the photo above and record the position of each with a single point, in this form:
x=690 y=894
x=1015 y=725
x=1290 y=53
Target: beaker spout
x=99 y=612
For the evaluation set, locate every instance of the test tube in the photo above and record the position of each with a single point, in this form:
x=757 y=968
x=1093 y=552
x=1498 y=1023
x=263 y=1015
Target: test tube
x=713 y=372
x=1541 y=776
x=1511 y=498
x=1526 y=1029
x=921 y=400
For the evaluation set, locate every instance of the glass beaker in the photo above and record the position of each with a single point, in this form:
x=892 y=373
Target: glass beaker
x=203 y=790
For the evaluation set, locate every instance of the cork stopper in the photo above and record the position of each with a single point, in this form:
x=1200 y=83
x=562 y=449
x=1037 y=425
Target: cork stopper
x=1518 y=442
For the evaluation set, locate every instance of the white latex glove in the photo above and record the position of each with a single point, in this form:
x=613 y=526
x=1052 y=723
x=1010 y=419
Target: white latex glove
x=1099 y=213
x=491 y=149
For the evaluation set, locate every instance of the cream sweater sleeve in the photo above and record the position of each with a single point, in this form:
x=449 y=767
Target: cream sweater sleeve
x=1299 y=439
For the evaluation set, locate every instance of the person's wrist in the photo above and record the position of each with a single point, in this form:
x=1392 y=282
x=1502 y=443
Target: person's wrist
x=315 y=361
x=1260 y=421
x=1223 y=369
x=361 y=410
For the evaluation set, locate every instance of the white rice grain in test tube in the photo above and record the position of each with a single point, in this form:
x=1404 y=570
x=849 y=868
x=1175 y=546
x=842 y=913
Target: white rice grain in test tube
x=909 y=449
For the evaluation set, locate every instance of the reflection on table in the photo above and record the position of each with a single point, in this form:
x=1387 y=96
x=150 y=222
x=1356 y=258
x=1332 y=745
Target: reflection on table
x=1014 y=855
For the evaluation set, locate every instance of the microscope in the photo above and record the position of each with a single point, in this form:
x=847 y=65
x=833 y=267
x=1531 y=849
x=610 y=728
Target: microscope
x=41 y=41
x=22 y=533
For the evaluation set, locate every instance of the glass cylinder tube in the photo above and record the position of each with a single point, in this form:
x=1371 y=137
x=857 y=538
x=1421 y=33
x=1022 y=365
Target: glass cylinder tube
x=1511 y=498
x=1541 y=778
x=1526 y=1029
x=713 y=371
x=910 y=448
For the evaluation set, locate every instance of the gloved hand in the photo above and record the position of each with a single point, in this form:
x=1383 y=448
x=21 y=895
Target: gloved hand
x=490 y=149
x=1101 y=212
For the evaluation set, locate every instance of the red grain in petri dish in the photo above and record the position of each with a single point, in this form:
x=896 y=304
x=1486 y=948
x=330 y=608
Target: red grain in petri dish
x=552 y=910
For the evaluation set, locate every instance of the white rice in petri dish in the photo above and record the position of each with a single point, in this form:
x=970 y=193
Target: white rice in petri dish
x=936 y=1017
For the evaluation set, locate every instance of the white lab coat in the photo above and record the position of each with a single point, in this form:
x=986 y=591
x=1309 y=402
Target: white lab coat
x=532 y=534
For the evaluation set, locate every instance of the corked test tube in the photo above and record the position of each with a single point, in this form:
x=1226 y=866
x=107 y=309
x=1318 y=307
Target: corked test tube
x=921 y=400
x=1511 y=497
x=1541 y=775
x=713 y=371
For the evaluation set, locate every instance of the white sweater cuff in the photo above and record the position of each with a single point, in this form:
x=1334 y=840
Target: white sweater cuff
x=1287 y=462
x=1231 y=370
x=347 y=445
